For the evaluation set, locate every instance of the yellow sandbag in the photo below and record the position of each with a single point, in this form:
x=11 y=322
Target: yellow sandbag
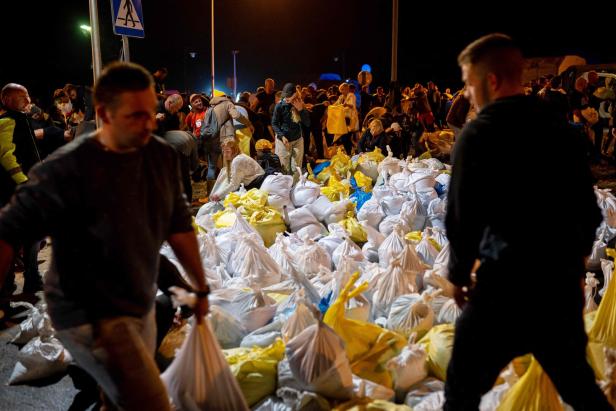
x=367 y=345
x=268 y=222
x=594 y=349
x=414 y=236
x=438 y=343
x=334 y=188
x=375 y=155
x=604 y=326
x=336 y=123
x=232 y=199
x=256 y=369
x=533 y=392
x=356 y=232
x=253 y=200
x=224 y=218
x=368 y=404
x=244 y=136
x=363 y=181
x=341 y=163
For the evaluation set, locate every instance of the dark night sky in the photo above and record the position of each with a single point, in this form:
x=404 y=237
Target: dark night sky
x=292 y=40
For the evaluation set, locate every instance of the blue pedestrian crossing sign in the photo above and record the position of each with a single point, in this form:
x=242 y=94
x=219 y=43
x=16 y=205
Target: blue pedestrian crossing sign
x=127 y=18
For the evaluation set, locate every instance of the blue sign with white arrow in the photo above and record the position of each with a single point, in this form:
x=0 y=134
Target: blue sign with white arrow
x=127 y=18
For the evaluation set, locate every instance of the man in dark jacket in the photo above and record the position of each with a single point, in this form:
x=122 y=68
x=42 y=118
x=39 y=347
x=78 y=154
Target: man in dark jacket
x=289 y=117
x=527 y=296
x=18 y=154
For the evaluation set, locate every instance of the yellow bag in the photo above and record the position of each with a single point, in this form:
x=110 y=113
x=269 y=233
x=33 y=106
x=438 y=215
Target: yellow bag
x=334 y=188
x=533 y=392
x=356 y=232
x=368 y=404
x=367 y=345
x=604 y=326
x=374 y=155
x=224 y=218
x=268 y=222
x=244 y=136
x=336 y=123
x=414 y=236
x=341 y=163
x=256 y=369
x=363 y=181
x=253 y=200
x=232 y=199
x=438 y=343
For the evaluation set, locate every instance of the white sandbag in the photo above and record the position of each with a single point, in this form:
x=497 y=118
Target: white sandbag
x=438 y=235
x=426 y=196
x=433 y=163
x=210 y=208
x=449 y=312
x=293 y=394
x=423 y=389
x=320 y=207
x=445 y=180
x=423 y=178
x=369 y=168
x=426 y=250
x=413 y=214
x=392 y=204
x=280 y=203
x=206 y=222
x=264 y=336
x=390 y=164
x=300 y=218
x=607 y=267
x=409 y=367
x=392 y=284
x=411 y=263
x=386 y=227
x=252 y=307
x=278 y=184
x=492 y=399
x=442 y=259
x=36 y=320
x=338 y=211
x=431 y=402
x=598 y=252
x=252 y=262
x=590 y=291
x=211 y=254
x=411 y=313
x=436 y=278
x=371 y=212
x=311 y=257
x=402 y=181
x=370 y=252
x=381 y=191
x=363 y=388
x=318 y=361
x=305 y=191
x=199 y=377
x=41 y=357
x=312 y=232
x=392 y=246
x=228 y=330
x=349 y=249
x=607 y=204
x=437 y=209
x=301 y=319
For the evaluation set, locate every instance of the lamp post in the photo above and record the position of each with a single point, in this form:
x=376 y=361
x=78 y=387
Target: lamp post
x=212 y=46
x=394 y=41
x=235 y=53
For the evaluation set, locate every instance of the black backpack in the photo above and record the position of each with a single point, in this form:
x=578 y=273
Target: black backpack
x=210 y=128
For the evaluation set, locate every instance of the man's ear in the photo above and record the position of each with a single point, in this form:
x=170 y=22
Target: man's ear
x=494 y=83
x=102 y=113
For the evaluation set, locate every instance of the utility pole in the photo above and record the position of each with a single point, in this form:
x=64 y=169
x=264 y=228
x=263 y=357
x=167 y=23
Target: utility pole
x=212 y=47
x=394 y=41
x=235 y=53
x=125 y=49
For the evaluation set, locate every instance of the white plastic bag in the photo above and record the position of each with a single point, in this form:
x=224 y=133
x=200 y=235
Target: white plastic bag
x=371 y=212
x=392 y=246
x=305 y=191
x=278 y=184
x=426 y=251
x=301 y=319
x=199 y=378
x=392 y=284
x=348 y=249
x=210 y=208
x=36 y=322
x=607 y=267
x=598 y=252
x=264 y=336
x=300 y=218
x=392 y=204
x=449 y=312
x=437 y=209
x=590 y=290
x=228 y=330
x=386 y=227
x=409 y=367
x=411 y=313
x=252 y=262
x=338 y=211
x=41 y=357
x=311 y=257
x=320 y=207
x=420 y=391
x=318 y=361
x=414 y=214
x=312 y=232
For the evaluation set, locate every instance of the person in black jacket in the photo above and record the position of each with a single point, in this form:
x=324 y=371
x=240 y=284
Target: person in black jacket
x=527 y=295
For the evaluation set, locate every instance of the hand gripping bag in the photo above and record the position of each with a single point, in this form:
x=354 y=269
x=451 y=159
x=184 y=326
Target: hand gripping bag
x=199 y=377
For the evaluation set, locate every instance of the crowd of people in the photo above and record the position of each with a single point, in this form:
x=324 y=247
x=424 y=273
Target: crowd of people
x=110 y=198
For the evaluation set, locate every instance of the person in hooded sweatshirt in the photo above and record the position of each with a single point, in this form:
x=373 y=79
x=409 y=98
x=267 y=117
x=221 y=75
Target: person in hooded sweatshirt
x=525 y=241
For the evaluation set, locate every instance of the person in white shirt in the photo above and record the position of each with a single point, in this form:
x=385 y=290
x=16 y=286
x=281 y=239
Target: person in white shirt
x=238 y=169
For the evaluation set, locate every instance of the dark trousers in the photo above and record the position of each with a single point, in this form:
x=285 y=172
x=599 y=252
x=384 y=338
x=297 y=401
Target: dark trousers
x=498 y=325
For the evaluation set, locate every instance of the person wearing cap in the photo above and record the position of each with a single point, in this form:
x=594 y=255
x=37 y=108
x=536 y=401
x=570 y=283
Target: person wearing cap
x=269 y=162
x=195 y=118
x=238 y=169
x=287 y=121
x=373 y=137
